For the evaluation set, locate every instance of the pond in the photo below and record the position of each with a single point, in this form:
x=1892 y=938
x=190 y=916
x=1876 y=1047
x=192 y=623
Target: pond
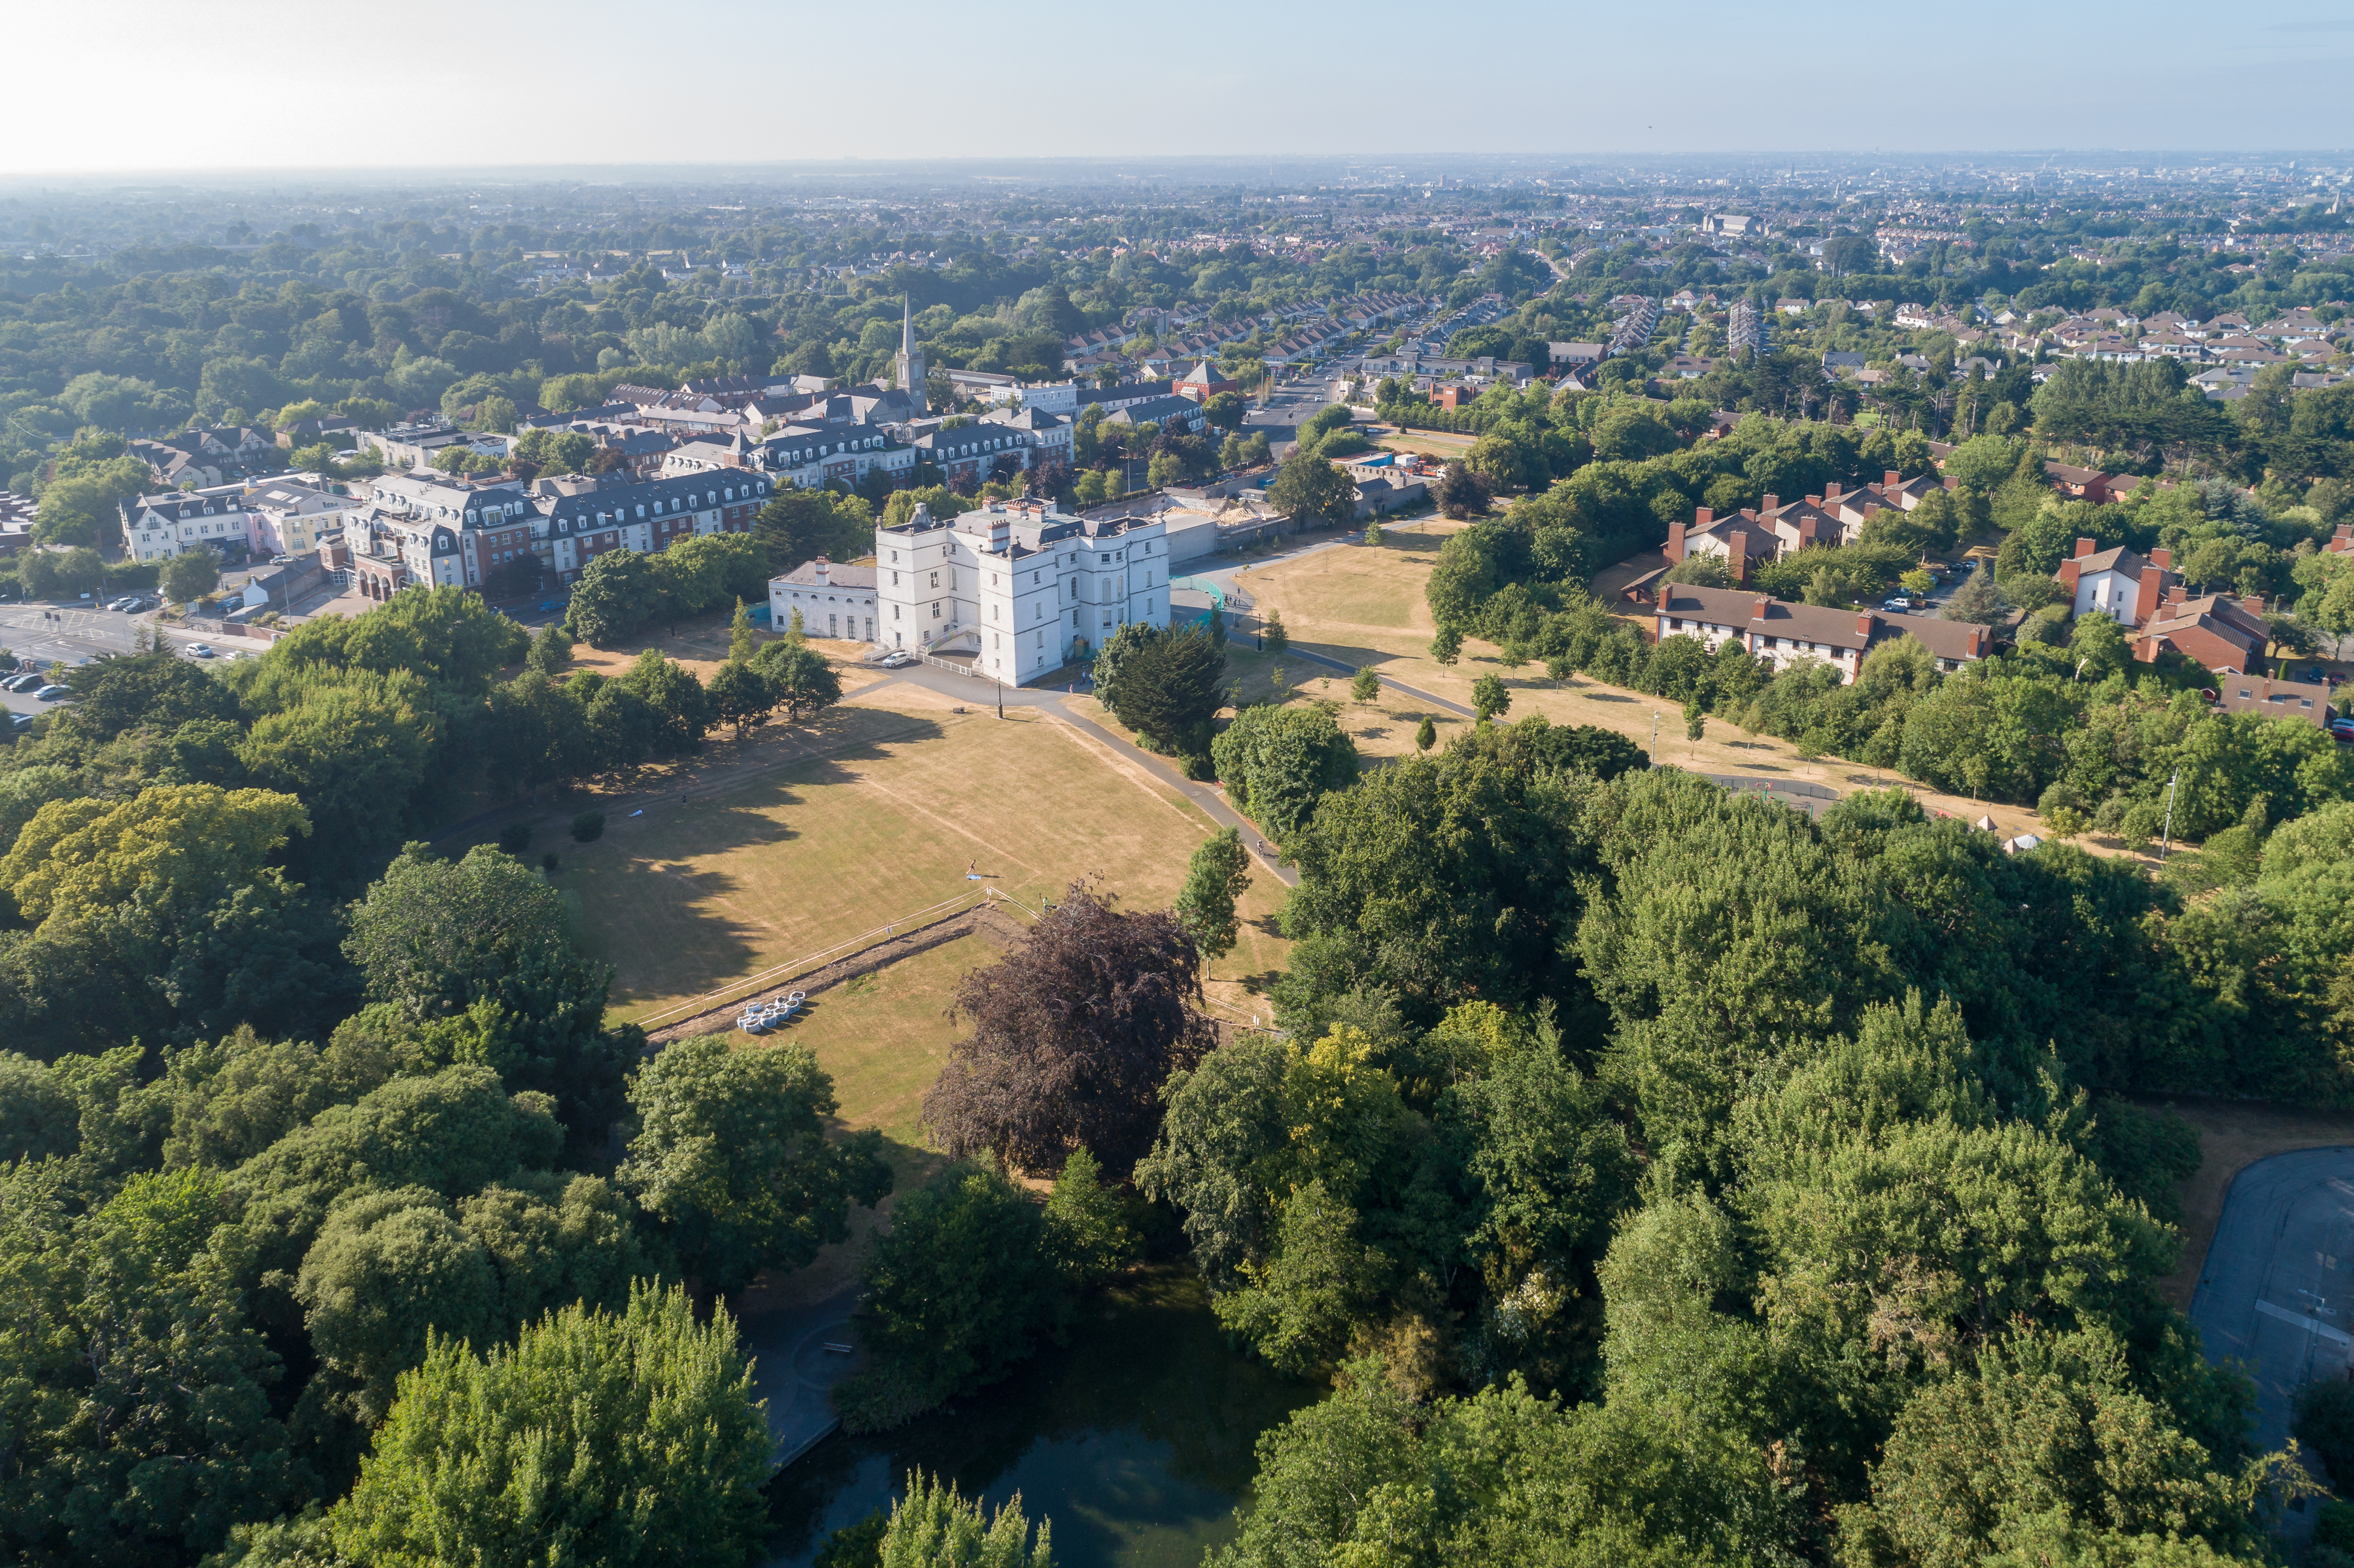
x=1136 y=1439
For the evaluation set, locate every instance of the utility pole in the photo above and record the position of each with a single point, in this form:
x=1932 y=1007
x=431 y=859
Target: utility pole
x=2166 y=836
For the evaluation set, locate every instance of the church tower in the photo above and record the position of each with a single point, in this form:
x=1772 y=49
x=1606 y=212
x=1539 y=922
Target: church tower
x=910 y=360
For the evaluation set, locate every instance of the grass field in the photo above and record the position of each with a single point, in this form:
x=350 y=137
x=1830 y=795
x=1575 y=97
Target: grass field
x=1364 y=605
x=800 y=838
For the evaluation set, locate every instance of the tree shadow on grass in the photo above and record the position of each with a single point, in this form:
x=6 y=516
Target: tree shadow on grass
x=740 y=799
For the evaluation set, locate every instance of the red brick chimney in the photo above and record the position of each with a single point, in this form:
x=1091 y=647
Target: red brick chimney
x=1813 y=501
x=1866 y=623
x=1770 y=503
x=1666 y=591
x=1831 y=491
x=1676 y=540
x=1977 y=645
x=2162 y=560
x=2174 y=594
x=2254 y=604
x=2146 y=592
x=1702 y=516
x=2069 y=570
x=1952 y=484
x=1891 y=479
x=2086 y=546
x=1736 y=556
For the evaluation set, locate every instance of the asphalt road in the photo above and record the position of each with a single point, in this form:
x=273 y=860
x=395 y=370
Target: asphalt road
x=2276 y=1291
x=77 y=634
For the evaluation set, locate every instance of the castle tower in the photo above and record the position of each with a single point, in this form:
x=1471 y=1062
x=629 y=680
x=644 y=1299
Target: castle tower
x=910 y=359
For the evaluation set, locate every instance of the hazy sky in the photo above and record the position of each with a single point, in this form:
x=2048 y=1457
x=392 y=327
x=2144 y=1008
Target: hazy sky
x=227 y=84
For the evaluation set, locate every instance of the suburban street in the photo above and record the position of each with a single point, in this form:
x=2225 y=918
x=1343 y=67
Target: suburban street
x=2276 y=1291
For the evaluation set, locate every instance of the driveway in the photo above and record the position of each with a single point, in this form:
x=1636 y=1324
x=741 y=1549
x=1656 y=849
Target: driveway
x=2277 y=1292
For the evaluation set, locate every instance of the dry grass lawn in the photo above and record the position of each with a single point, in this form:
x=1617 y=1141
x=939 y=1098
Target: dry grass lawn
x=759 y=853
x=1364 y=605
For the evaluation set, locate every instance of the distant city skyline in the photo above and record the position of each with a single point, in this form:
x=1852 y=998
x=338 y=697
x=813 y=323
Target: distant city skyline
x=271 y=85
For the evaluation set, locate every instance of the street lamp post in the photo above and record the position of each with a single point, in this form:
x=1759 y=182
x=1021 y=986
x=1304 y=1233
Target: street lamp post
x=2166 y=836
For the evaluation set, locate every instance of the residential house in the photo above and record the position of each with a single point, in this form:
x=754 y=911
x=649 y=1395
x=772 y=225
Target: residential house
x=1783 y=634
x=2224 y=635
x=2117 y=582
x=2264 y=696
x=2079 y=483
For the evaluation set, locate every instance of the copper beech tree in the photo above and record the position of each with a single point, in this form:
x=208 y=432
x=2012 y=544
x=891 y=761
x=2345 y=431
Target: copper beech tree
x=1072 y=1035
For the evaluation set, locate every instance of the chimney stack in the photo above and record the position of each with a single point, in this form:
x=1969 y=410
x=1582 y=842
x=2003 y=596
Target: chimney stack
x=2162 y=560
x=1770 y=504
x=1891 y=479
x=1702 y=516
x=2254 y=604
x=1952 y=483
x=1866 y=623
x=2174 y=594
x=1675 y=551
x=1976 y=643
x=1831 y=491
x=2085 y=547
x=1736 y=557
x=1759 y=612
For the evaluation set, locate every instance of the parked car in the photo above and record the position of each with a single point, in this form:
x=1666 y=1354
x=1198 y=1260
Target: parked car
x=1897 y=606
x=20 y=721
x=52 y=694
x=553 y=604
x=199 y=651
x=23 y=681
x=896 y=659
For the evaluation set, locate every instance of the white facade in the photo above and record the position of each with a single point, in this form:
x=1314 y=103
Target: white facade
x=834 y=601
x=1026 y=588
x=157 y=528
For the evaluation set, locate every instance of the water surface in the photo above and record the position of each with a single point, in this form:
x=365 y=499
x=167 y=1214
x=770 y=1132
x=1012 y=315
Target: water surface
x=1136 y=1438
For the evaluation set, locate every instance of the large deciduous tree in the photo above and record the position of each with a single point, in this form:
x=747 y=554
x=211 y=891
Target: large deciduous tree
x=1072 y=1035
x=477 y=958
x=621 y=1438
x=731 y=1155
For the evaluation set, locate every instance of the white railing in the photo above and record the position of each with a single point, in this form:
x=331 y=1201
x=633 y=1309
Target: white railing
x=736 y=990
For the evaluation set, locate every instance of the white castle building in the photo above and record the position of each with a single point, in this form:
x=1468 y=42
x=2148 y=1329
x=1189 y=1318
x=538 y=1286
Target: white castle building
x=1020 y=586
